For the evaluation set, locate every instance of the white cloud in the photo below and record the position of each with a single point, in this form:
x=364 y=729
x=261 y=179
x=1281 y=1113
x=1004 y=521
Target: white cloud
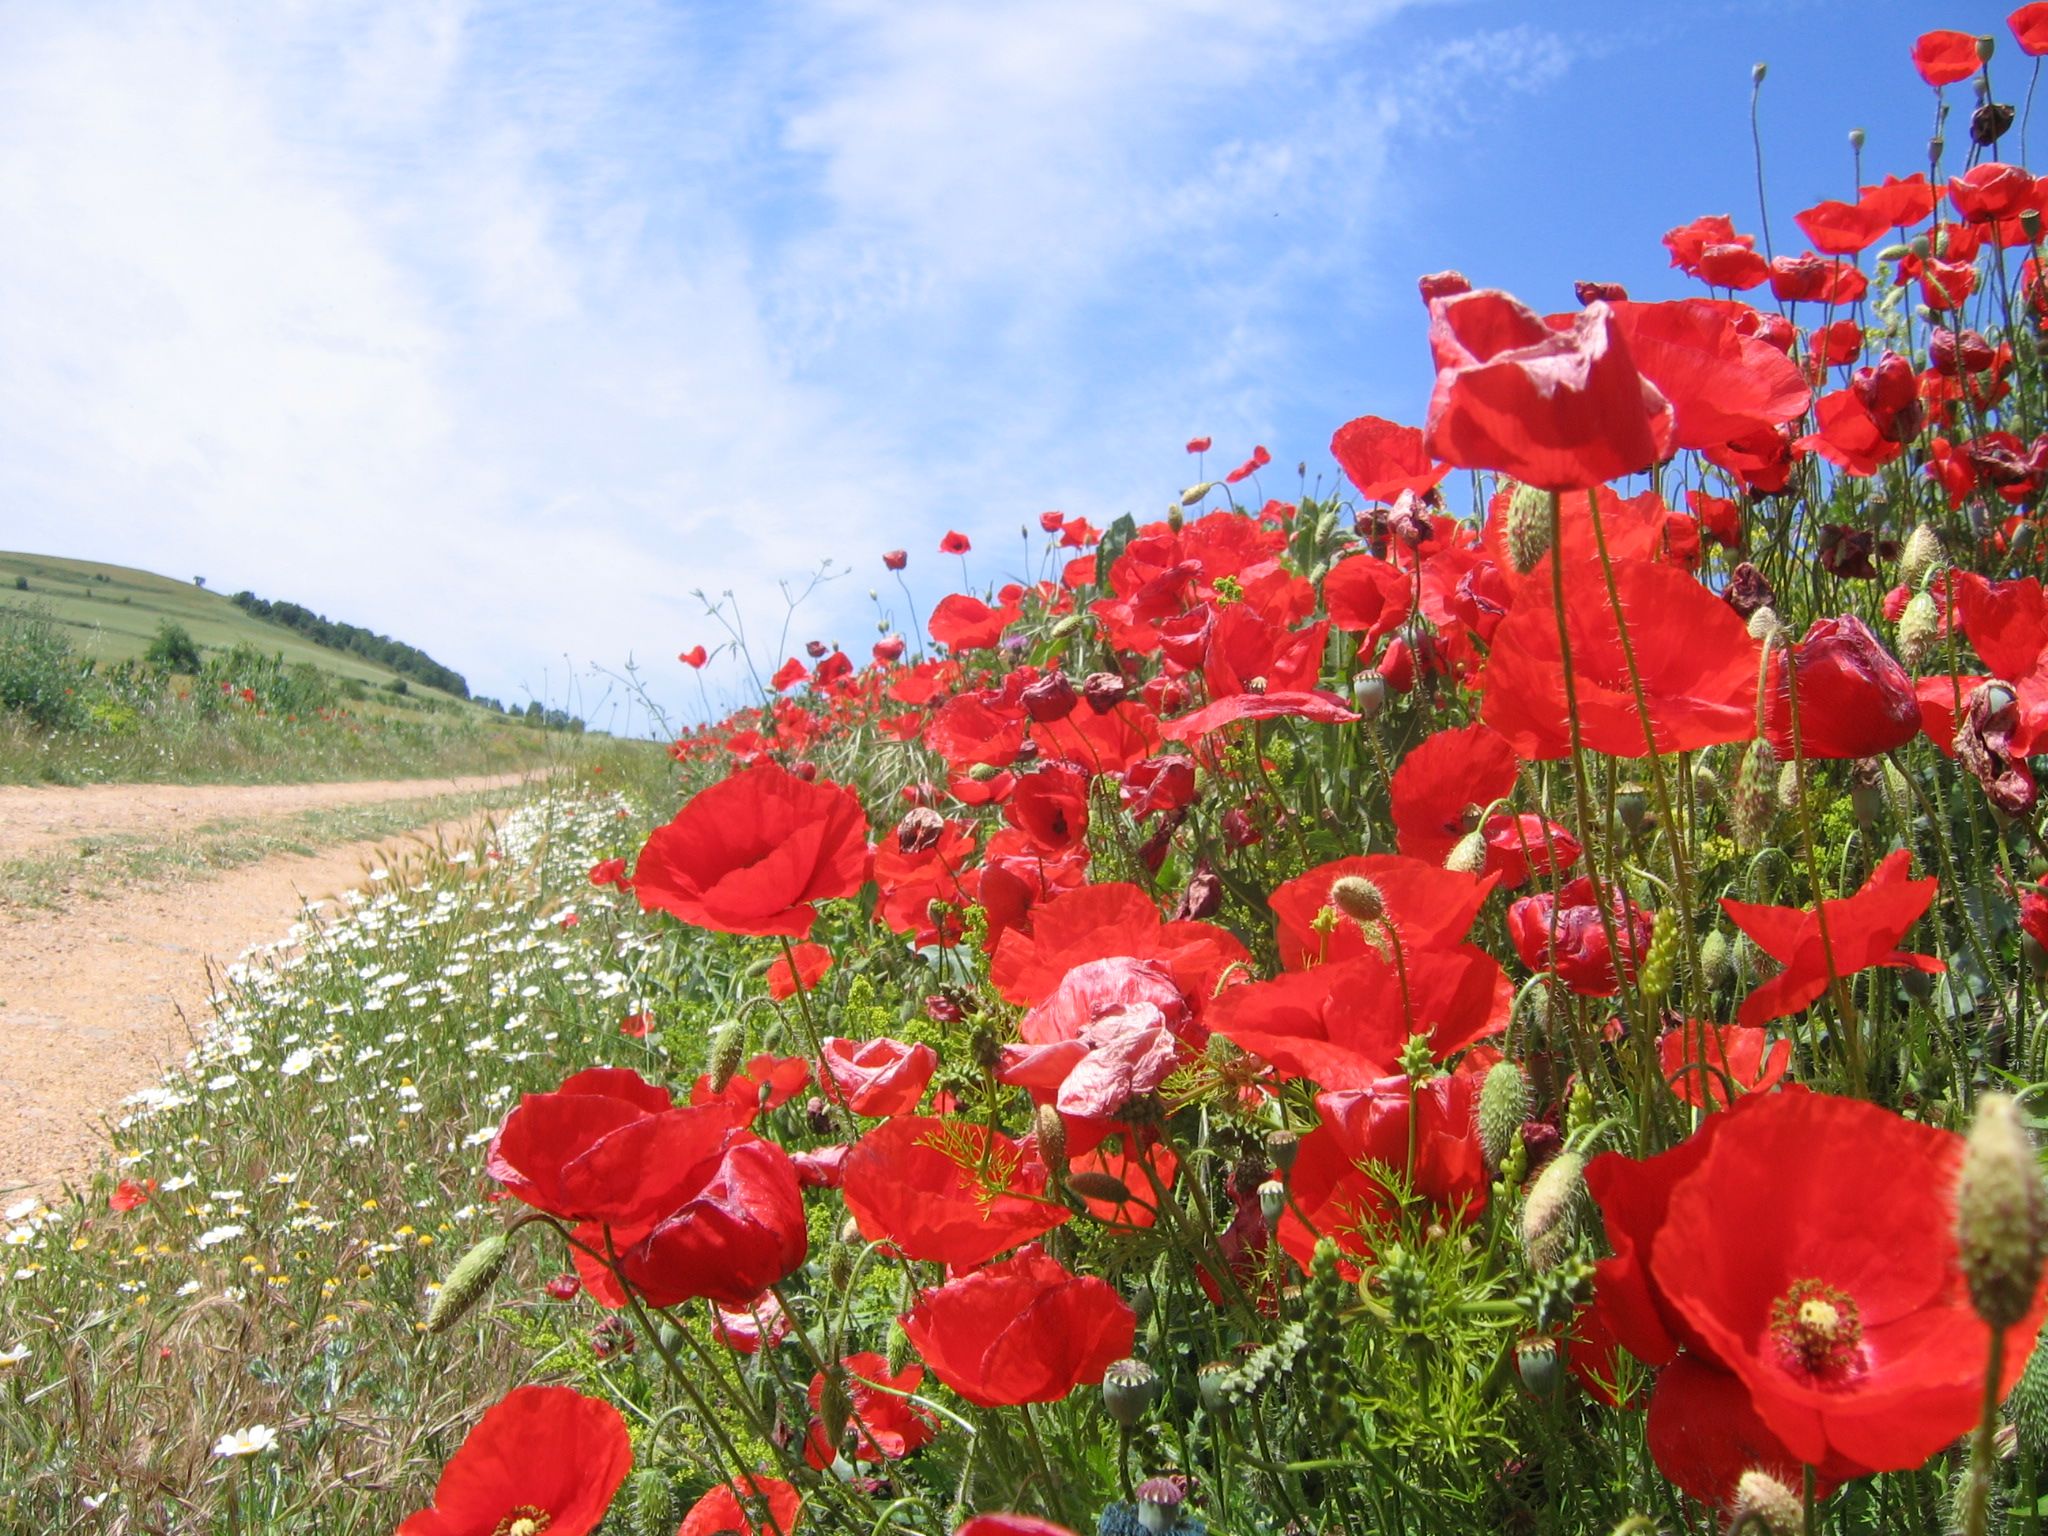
x=499 y=327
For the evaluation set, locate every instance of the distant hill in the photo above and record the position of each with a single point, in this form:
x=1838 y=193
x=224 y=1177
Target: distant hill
x=111 y=613
x=409 y=660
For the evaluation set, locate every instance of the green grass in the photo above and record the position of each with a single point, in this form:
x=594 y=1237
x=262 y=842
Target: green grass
x=111 y=612
x=95 y=868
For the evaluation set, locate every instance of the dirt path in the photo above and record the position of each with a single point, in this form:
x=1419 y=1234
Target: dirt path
x=97 y=1001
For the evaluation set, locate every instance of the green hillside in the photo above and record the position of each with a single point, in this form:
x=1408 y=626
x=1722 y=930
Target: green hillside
x=110 y=613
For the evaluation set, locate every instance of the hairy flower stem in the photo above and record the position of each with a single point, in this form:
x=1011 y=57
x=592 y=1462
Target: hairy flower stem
x=1977 y=1490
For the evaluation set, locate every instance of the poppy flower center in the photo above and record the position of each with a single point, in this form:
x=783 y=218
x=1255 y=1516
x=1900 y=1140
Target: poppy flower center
x=1817 y=1326
x=526 y=1520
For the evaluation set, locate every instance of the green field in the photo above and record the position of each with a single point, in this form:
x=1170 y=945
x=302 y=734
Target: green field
x=110 y=613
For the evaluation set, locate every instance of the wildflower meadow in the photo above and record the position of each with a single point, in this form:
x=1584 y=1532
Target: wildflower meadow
x=1505 y=995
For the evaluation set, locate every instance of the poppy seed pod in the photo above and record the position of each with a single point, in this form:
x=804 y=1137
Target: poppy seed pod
x=1212 y=1384
x=1272 y=1202
x=1128 y=1387
x=1504 y=1103
x=1159 y=1500
x=467 y=1282
x=1281 y=1147
x=1767 y=1505
x=2001 y=1214
x=1537 y=1362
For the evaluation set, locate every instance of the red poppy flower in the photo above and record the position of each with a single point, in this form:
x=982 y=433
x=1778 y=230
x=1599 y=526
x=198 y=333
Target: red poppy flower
x=738 y=1229
x=1106 y=1036
x=637 y=1026
x=545 y=1455
x=1096 y=922
x=1739 y=267
x=1258 y=461
x=896 y=559
x=1805 y=1245
x=947 y=1190
x=1844 y=229
x=1443 y=785
x=2007 y=624
x=882 y=1077
x=580 y=1152
x=1198 y=445
x=2030 y=28
x=755 y=1506
x=1854 y=699
x=1863 y=930
x=1722 y=384
x=1335 y=1182
x=1383 y=459
x=1368 y=597
x=1689 y=242
x=610 y=872
x=765 y=1082
x=1516 y=845
x=1430 y=907
x=695 y=656
x=1158 y=785
x=1563 y=410
x=1698 y=664
x=1345 y=1025
x=1704 y=1434
x=1989 y=191
x=1318 y=708
x=1578 y=951
x=883 y=1424
x=130 y=1193
x=954 y=543
x=1022 y=1331
x=753 y=852
x=812 y=962
x=1710 y=1064
x=1050 y=806
x=744 y=1329
x=1944 y=57
x=788 y=675
x=962 y=623
x=1014 y=1525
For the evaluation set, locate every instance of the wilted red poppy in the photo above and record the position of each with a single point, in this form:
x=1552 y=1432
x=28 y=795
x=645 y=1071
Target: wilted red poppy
x=1696 y=658
x=882 y=1077
x=1577 y=949
x=1445 y=784
x=1428 y=906
x=947 y=1190
x=1713 y=1064
x=1836 y=1300
x=1863 y=930
x=1022 y=1331
x=754 y=1506
x=954 y=543
x=812 y=962
x=1427 y=1133
x=2030 y=28
x=1854 y=699
x=1722 y=384
x=1383 y=458
x=738 y=1230
x=1944 y=57
x=753 y=852
x=1563 y=410
x=548 y=1457
x=882 y=1423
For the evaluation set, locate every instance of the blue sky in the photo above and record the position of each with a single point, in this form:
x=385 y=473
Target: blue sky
x=501 y=326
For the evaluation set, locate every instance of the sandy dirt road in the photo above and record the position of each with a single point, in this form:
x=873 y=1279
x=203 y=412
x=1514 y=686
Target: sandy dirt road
x=97 y=1000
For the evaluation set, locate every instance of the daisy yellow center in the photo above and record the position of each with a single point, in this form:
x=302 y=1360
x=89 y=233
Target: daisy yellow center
x=526 y=1520
x=1817 y=1325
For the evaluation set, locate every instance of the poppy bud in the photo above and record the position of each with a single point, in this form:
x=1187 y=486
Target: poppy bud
x=1765 y=625
x=1756 y=73
x=1358 y=898
x=1717 y=962
x=467 y=1282
x=981 y=773
x=1550 y=1214
x=1195 y=493
x=1272 y=1202
x=1468 y=855
x=1127 y=1390
x=1867 y=793
x=1754 y=805
x=1537 y=1359
x=1052 y=1138
x=2028 y=1405
x=1528 y=528
x=2001 y=1214
x=1706 y=784
x=652 y=1500
x=1788 y=787
x=1281 y=1147
x=1504 y=1103
x=1143 y=1300
x=1159 y=1500
x=728 y=1045
x=835 y=1405
x=1920 y=557
x=1767 y=1505
x=1090 y=1184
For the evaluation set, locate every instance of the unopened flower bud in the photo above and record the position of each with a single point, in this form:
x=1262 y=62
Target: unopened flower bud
x=1761 y=1500
x=1052 y=1138
x=1127 y=1390
x=835 y=1405
x=1550 y=1214
x=1093 y=1184
x=467 y=1282
x=2001 y=1214
x=728 y=1046
x=1920 y=556
x=1358 y=898
x=1195 y=493
x=1717 y=961
x=1757 y=72
x=1504 y=1103
x=1528 y=528
x=1467 y=855
x=1765 y=625
x=1754 y=805
x=1919 y=631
